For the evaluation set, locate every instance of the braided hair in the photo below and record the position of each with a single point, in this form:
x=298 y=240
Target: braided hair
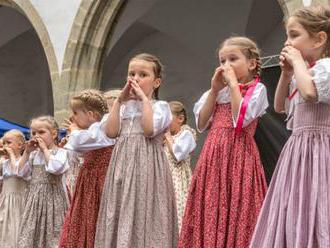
x=90 y=100
x=248 y=48
x=314 y=19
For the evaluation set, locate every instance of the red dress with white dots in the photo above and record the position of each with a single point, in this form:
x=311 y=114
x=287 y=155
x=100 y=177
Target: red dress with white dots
x=227 y=188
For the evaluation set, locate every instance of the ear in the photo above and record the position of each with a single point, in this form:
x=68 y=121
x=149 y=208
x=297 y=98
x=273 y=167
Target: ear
x=252 y=64
x=90 y=114
x=54 y=134
x=157 y=83
x=321 y=39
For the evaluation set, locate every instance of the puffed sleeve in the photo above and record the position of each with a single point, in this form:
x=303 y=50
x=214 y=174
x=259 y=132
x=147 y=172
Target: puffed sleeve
x=256 y=106
x=197 y=109
x=222 y=97
x=162 y=116
x=183 y=145
x=89 y=139
x=58 y=162
x=321 y=78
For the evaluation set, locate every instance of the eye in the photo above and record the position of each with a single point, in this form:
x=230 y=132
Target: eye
x=131 y=74
x=143 y=75
x=222 y=61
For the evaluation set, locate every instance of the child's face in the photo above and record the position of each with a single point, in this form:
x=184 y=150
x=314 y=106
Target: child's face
x=12 y=142
x=42 y=130
x=143 y=72
x=299 y=38
x=82 y=118
x=176 y=123
x=241 y=65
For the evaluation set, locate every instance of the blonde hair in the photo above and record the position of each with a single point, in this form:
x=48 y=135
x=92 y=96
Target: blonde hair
x=90 y=100
x=248 y=47
x=50 y=123
x=177 y=109
x=112 y=94
x=314 y=19
x=158 y=67
x=17 y=134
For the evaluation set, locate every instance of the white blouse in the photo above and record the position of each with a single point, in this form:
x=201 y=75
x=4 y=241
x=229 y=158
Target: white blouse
x=321 y=77
x=162 y=116
x=256 y=107
x=90 y=139
x=59 y=161
x=183 y=145
x=7 y=172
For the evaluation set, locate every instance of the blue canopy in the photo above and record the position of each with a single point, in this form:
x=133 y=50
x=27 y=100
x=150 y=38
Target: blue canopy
x=7 y=125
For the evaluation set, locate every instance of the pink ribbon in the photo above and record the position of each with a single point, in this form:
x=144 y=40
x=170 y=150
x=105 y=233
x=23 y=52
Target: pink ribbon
x=245 y=104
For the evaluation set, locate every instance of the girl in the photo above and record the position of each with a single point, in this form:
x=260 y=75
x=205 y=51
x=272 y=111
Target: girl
x=180 y=141
x=87 y=137
x=228 y=185
x=296 y=209
x=138 y=204
x=46 y=199
x=14 y=186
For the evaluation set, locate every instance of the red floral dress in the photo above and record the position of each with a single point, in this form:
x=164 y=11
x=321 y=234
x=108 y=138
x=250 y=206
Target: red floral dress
x=80 y=222
x=227 y=188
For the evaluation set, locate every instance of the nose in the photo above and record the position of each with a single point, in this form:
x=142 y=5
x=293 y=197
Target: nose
x=287 y=42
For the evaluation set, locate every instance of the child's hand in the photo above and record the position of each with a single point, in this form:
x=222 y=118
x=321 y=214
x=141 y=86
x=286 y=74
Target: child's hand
x=217 y=82
x=229 y=75
x=41 y=144
x=9 y=151
x=70 y=125
x=125 y=94
x=31 y=145
x=291 y=55
x=63 y=141
x=137 y=91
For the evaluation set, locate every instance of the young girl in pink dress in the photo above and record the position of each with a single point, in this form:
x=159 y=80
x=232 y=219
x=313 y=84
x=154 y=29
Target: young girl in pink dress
x=296 y=211
x=228 y=184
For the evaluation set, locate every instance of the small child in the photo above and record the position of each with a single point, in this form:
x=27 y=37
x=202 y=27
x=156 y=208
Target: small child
x=296 y=212
x=14 y=186
x=180 y=142
x=46 y=199
x=228 y=185
x=138 y=202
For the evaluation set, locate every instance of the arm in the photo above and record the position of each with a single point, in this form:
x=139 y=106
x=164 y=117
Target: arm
x=305 y=84
x=206 y=112
x=147 y=118
x=58 y=162
x=112 y=125
x=282 y=92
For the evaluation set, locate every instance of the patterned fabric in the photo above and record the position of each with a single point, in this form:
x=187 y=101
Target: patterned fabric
x=80 y=222
x=227 y=188
x=11 y=210
x=44 y=210
x=181 y=176
x=138 y=203
x=296 y=209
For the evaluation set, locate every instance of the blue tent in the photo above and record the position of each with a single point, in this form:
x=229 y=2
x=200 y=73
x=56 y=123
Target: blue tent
x=7 y=125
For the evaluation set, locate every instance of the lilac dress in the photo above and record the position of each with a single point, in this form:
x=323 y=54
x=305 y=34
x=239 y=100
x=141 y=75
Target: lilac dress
x=296 y=210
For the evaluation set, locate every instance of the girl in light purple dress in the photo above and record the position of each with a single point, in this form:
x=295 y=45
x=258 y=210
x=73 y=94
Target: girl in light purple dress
x=296 y=210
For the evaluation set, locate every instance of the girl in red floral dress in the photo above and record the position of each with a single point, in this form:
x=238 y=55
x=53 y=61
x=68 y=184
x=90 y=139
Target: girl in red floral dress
x=228 y=184
x=87 y=137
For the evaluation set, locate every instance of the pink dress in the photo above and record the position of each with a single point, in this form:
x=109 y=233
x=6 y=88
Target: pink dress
x=227 y=188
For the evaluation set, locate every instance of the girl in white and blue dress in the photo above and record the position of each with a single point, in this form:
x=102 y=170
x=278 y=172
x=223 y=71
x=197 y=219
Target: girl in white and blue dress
x=46 y=199
x=14 y=186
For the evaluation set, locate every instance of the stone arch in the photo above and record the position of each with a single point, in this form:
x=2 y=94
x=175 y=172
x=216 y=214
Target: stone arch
x=85 y=50
x=26 y=8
